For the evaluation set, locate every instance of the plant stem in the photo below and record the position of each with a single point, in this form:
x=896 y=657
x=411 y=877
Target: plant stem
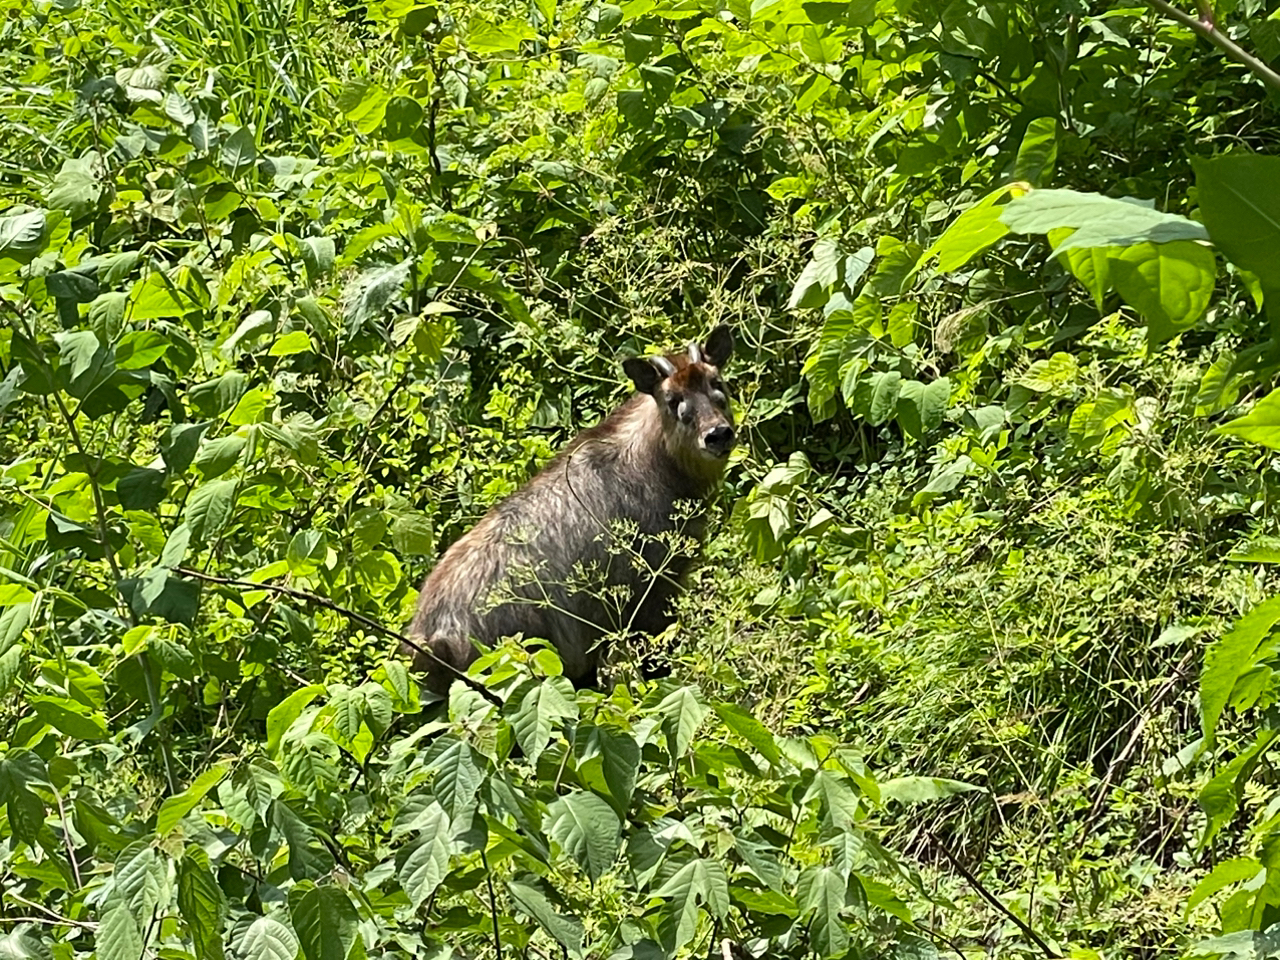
x=1206 y=28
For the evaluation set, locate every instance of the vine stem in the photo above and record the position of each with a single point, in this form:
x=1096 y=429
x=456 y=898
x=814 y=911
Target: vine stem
x=493 y=904
x=1205 y=27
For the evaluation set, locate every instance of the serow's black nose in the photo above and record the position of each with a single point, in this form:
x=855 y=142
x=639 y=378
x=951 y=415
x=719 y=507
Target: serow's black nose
x=720 y=440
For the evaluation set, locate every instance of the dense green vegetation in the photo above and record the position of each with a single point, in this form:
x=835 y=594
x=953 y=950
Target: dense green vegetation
x=981 y=660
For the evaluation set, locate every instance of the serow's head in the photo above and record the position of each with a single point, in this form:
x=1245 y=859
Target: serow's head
x=693 y=403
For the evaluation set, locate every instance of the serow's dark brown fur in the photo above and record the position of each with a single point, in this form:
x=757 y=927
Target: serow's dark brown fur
x=596 y=543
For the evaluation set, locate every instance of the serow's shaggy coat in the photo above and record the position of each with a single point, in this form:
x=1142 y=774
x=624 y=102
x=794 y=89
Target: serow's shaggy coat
x=595 y=544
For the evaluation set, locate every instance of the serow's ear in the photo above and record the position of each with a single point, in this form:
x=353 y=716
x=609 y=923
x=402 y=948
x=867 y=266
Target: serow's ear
x=642 y=373
x=719 y=346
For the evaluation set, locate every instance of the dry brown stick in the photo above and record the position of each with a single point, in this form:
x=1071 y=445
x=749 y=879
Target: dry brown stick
x=365 y=621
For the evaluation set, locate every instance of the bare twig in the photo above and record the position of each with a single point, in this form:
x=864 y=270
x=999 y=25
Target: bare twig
x=991 y=898
x=367 y=622
x=53 y=917
x=1205 y=27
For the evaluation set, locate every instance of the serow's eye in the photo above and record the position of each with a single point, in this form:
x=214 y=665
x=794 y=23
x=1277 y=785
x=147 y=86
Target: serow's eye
x=674 y=402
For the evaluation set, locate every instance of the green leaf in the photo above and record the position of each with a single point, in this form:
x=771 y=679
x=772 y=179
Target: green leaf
x=1261 y=550
x=1097 y=221
x=13 y=622
x=284 y=713
x=838 y=800
x=1229 y=657
x=239 y=152
x=202 y=904
x=973 y=232
x=141 y=877
x=293 y=342
x=751 y=730
x=536 y=708
x=1225 y=874
x=885 y=386
x=1259 y=425
x=119 y=935
x=175 y=808
x=822 y=893
x=566 y=929
x=218 y=456
x=1168 y=283
x=364 y=103
x=683 y=712
x=1038 y=151
x=210 y=508
x=269 y=939
x=141 y=489
x=587 y=829
x=908 y=790
x=819 y=275
x=141 y=348
x=317 y=254
x=457 y=776
x=1240 y=204
x=69 y=717
x=699 y=881
x=325 y=919
x=21 y=236
x=619 y=757
x=763 y=860
x=308 y=858
x=423 y=865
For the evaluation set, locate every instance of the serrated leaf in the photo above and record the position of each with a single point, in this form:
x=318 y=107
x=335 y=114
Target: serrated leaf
x=683 y=712
x=69 y=717
x=587 y=829
x=325 y=919
x=210 y=508
x=566 y=929
x=175 y=808
x=424 y=864
x=269 y=939
x=457 y=776
x=202 y=904
x=822 y=893
x=119 y=936
x=536 y=708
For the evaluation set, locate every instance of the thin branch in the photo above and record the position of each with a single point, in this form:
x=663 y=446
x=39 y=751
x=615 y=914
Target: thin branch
x=1204 y=26
x=991 y=898
x=493 y=904
x=367 y=622
x=53 y=917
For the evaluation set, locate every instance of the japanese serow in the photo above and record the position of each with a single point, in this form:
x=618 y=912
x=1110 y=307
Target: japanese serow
x=597 y=542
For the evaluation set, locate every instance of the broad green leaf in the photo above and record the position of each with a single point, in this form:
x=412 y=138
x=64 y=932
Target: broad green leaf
x=308 y=859
x=839 y=801
x=884 y=396
x=971 y=233
x=210 y=508
x=763 y=860
x=1038 y=151
x=141 y=878
x=1225 y=874
x=21 y=236
x=1231 y=656
x=1169 y=284
x=818 y=276
x=822 y=893
x=538 y=707
x=1261 y=550
x=697 y=882
x=424 y=864
x=325 y=919
x=587 y=829
x=239 y=152
x=293 y=342
x=119 y=935
x=1260 y=425
x=910 y=790
x=683 y=712
x=457 y=776
x=1097 y=221
x=175 y=808
x=202 y=904
x=141 y=348
x=619 y=757
x=269 y=939
x=317 y=256
x=565 y=928
x=751 y=730
x=1240 y=204
x=218 y=456
x=69 y=717
x=13 y=622
x=284 y=713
